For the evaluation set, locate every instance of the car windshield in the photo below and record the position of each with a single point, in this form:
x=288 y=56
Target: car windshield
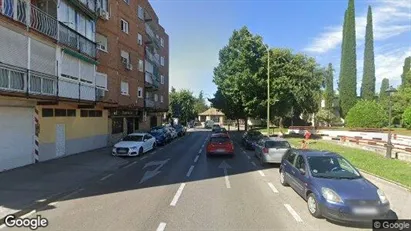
x=156 y=132
x=277 y=144
x=136 y=138
x=332 y=167
x=255 y=136
x=219 y=140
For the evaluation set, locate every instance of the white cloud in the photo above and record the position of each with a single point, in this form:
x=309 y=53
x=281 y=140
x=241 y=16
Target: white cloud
x=389 y=65
x=390 y=18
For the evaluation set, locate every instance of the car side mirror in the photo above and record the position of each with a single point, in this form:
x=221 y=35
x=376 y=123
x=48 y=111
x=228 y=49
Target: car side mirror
x=302 y=171
x=144 y=140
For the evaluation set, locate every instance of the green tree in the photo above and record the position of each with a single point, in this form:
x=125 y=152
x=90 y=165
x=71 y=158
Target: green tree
x=405 y=69
x=400 y=101
x=348 y=80
x=385 y=84
x=329 y=87
x=368 y=79
x=227 y=106
x=200 y=104
x=182 y=104
x=327 y=116
x=406 y=117
x=366 y=114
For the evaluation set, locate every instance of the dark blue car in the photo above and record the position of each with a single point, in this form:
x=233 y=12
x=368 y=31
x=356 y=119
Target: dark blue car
x=332 y=187
x=161 y=135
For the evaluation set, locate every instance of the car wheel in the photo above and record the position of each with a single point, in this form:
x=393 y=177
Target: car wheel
x=154 y=146
x=312 y=205
x=282 y=178
x=140 y=151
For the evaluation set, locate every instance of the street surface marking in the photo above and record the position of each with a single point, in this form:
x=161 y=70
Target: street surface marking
x=106 y=177
x=244 y=152
x=199 y=151
x=153 y=153
x=261 y=173
x=252 y=162
x=272 y=187
x=161 y=226
x=248 y=157
x=28 y=214
x=144 y=158
x=71 y=194
x=195 y=160
x=202 y=146
x=135 y=162
x=227 y=181
x=178 y=194
x=293 y=213
x=53 y=203
x=41 y=200
x=190 y=171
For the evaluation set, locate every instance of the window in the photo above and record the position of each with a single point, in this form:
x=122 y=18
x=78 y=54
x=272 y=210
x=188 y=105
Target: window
x=91 y=113
x=140 y=92
x=125 y=57
x=124 y=88
x=300 y=163
x=162 y=42
x=102 y=4
x=117 y=125
x=101 y=41
x=291 y=156
x=161 y=99
x=162 y=79
x=162 y=61
x=127 y=1
x=83 y=113
x=140 y=65
x=47 y=112
x=139 y=39
x=155 y=97
x=157 y=37
x=140 y=12
x=71 y=112
x=124 y=26
x=60 y=112
x=101 y=80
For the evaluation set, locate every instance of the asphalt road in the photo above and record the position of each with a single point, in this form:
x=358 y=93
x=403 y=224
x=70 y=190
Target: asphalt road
x=177 y=187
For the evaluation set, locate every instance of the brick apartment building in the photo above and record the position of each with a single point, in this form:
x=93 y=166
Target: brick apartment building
x=133 y=58
x=59 y=94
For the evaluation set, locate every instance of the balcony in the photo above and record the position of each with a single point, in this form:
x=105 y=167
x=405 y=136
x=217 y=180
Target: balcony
x=151 y=82
x=23 y=81
x=73 y=89
x=30 y=15
x=152 y=36
x=154 y=58
x=76 y=41
x=150 y=103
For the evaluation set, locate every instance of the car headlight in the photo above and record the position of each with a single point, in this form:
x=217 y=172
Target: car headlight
x=382 y=196
x=331 y=196
x=134 y=148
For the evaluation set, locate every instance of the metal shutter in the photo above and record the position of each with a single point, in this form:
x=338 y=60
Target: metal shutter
x=70 y=66
x=43 y=58
x=87 y=72
x=13 y=47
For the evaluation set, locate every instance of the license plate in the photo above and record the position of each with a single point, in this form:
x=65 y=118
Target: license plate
x=122 y=151
x=220 y=150
x=365 y=211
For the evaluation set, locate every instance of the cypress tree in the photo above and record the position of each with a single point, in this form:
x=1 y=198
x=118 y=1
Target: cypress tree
x=405 y=69
x=368 y=79
x=385 y=84
x=348 y=83
x=342 y=48
x=329 y=87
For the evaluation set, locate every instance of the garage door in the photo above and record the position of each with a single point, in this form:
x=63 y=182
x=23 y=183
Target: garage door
x=16 y=137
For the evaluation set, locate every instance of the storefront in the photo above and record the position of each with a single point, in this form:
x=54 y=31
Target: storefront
x=123 y=122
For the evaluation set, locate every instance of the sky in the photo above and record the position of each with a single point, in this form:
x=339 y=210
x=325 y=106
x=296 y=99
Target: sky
x=198 y=29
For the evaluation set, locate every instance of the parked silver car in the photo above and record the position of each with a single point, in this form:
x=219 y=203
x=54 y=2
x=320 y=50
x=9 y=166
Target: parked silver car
x=271 y=149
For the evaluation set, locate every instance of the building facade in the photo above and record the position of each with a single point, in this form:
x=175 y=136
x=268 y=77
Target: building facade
x=61 y=92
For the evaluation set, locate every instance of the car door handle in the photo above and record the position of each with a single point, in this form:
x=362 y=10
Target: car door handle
x=293 y=171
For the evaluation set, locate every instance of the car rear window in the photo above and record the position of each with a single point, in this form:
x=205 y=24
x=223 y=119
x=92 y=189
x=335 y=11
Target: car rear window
x=219 y=139
x=277 y=144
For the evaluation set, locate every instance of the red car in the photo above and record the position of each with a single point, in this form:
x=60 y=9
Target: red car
x=220 y=144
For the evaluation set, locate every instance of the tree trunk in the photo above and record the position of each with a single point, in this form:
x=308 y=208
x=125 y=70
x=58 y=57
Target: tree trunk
x=280 y=124
x=246 y=124
x=238 y=124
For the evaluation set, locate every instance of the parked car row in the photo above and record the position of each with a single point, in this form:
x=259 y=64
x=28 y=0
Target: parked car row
x=136 y=144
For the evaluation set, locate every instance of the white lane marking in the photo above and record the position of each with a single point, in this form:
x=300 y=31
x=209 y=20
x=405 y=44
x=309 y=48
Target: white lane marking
x=272 y=187
x=195 y=160
x=28 y=214
x=144 y=158
x=227 y=181
x=160 y=149
x=244 y=152
x=293 y=213
x=106 y=177
x=248 y=157
x=153 y=153
x=71 y=194
x=53 y=203
x=199 y=151
x=202 y=146
x=41 y=200
x=190 y=171
x=178 y=194
x=261 y=173
x=252 y=162
x=127 y=166
x=161 y=226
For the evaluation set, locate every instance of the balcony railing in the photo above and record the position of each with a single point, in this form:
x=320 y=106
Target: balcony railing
x=153 y=58
x=73 y=39
x=100 y=93
x=150 y=103
x=30 y=15
x=151 y=82
x=152 y=35
x=42 y=84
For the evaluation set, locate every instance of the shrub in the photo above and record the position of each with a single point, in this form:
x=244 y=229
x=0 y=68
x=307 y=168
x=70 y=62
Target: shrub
x=366 y=114
x=406 y=118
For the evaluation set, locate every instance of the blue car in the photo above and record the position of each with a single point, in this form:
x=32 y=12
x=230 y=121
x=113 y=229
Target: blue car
x=332 y=187
x=161 y=135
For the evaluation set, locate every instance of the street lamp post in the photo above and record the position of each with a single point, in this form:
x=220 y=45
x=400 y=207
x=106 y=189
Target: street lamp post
x=268 y=89
x=390 y=90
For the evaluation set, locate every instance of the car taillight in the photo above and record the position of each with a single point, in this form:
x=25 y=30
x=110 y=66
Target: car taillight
x=265 y=150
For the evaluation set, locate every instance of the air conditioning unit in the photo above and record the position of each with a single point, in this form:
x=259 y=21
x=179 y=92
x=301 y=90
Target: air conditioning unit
x=129 y=66
x=103 y=14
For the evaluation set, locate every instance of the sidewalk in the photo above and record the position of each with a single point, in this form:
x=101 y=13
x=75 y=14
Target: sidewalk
x=23 y=187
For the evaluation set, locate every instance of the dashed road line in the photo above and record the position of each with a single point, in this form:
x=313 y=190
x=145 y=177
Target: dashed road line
x=261 y=173
x=28 y=214
x=53 y=203
x=153 y=153
x=72 y=193
x=227 y=181
x=272 y=187
x=199 y=151
x=248 y=157
x=178 y=194
x=195 y=160
x=252 y=162
x=190 y=171
x=161 y=226
x=106 y=177
x=144 y=158
x=293 y=213
x=244 y=152
x=202 y=146
x=129 y=165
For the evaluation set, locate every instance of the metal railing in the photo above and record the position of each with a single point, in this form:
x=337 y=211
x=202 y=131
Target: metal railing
x=42 y=84
x=13 y=79
x=153 y=58
x=73 y=39
x=152 y=35
x=150 y=102
x=151 y=81
x=30 y=15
